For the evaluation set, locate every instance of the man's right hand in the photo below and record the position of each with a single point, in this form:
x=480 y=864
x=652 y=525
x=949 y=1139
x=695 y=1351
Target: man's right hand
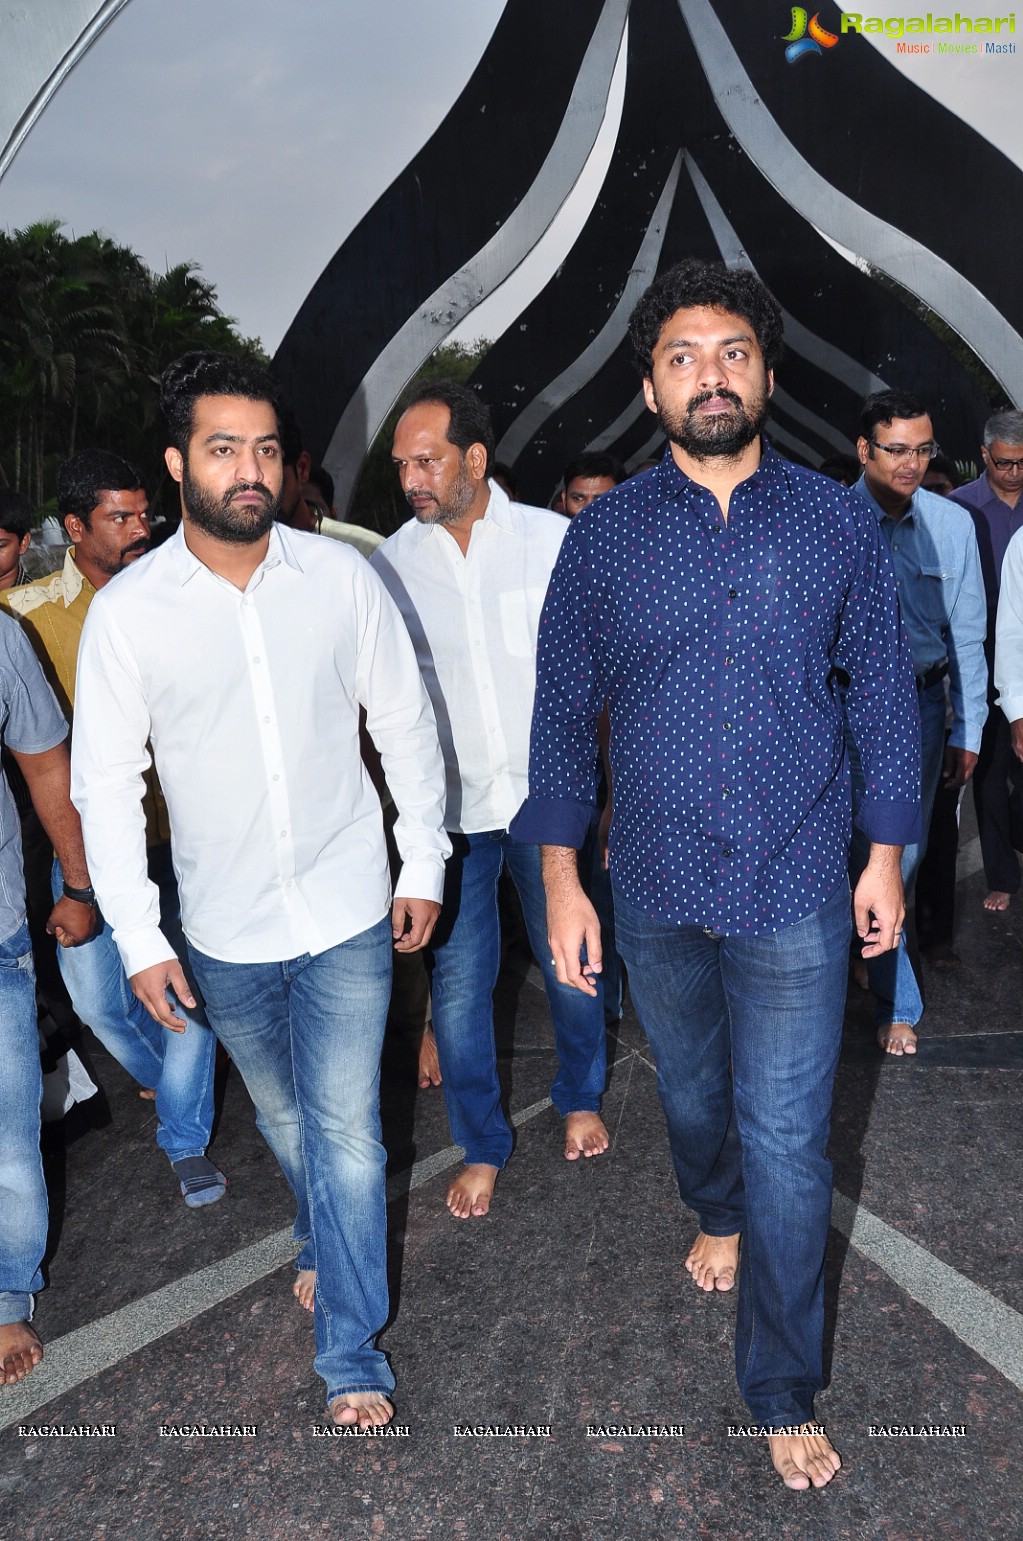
x=572 y=922
x=1016 y=729
x=151 y=985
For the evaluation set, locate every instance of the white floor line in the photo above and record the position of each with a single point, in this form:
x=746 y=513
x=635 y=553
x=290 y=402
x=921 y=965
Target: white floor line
x=78 y=1355
x=987 y=1325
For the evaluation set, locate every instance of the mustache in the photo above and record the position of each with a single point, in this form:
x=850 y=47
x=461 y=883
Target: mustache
x=705 y=396
x=232 y=492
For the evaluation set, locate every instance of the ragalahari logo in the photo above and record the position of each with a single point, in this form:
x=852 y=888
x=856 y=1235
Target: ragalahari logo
x=807 y=36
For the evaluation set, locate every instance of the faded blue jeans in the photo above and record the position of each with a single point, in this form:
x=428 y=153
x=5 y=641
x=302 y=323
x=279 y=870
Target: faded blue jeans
x=306 y=1035
x=465 y=956
x=178 y=1066
x=893 y=982
x=23 y=1208
x=745 y=1032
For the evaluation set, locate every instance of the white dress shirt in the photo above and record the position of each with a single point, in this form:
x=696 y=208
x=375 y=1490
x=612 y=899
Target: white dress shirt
x=1009 y=632
x=250 y=701
x=474 y=621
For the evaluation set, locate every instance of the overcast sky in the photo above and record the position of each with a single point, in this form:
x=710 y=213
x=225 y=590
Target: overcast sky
x=245 y=135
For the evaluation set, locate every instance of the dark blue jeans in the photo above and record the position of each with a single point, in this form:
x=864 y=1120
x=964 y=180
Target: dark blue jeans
x=465 y=957
x=745 y=1032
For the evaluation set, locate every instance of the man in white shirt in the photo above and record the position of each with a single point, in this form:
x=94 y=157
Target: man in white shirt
x=469 y=575
x=241 y=652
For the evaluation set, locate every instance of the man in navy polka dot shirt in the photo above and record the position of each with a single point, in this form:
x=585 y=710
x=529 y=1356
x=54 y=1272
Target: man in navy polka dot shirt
x=710 y=602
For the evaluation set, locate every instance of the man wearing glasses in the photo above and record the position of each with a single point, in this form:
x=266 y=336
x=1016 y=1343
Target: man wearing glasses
x=994 y=504
x=941 y=594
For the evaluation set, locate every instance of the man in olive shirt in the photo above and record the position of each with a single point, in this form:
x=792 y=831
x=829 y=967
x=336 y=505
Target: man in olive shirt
x=106 y=512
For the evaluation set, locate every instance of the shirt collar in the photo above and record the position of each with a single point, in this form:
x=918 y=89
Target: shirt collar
x=672 y=481
x=72 y=579
x=279 y=552
x=879 y=513
x=497 y=514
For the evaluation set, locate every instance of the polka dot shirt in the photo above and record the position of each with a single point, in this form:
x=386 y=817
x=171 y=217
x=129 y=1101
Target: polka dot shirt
x=716 y=646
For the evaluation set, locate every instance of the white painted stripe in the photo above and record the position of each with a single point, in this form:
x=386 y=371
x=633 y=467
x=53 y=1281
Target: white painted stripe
x=988 y=1326
x=88 y=1351
x=798 y=338
x=597 y=352
x=933 y=280
x=464 y=290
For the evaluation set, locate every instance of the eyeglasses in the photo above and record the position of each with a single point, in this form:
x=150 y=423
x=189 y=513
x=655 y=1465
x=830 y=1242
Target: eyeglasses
x=907 y=452
x=1006 y=465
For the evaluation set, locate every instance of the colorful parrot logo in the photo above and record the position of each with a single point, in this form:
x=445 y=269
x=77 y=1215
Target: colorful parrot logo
x=799 y=43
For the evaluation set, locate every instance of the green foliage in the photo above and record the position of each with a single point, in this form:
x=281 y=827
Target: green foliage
x=377 y=502
x=85 y=331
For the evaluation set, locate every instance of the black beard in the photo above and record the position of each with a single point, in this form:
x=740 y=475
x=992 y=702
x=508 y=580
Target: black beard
x=216 y=516
x=723 y=436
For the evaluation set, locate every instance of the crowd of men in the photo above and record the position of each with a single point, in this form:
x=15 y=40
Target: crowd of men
x=732 y=683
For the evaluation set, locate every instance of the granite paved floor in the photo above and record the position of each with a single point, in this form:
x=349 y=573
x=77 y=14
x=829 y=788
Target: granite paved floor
x=568 y=1307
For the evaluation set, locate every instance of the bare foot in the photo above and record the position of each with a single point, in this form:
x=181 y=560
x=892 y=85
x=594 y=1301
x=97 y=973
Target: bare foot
x=20 y=1351
x=368 y=1409
x=147 y=1094
x=472 y=1190
x=804 y=1460
x=585 y=1135
x=712 y=1261
x=304 y=1287
x=997 y=900
x=897 y=1038
x=429 y=1060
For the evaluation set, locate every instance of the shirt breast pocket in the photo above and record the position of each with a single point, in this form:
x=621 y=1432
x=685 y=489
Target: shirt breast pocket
x=934 y=596
x=520 y=620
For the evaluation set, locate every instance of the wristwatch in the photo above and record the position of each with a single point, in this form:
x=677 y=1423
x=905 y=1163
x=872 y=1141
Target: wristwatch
x=80 y=895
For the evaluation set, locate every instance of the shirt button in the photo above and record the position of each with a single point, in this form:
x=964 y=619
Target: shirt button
x=284 y=835
x=727 y=727
x=266 y=719
x=728 y=658
x=727 y=851
x=257 y=659
x=726 y=791
x=733 y=593
x=276 y=776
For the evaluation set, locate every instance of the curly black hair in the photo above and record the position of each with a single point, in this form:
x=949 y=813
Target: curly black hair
x=695 y=282
x=209 y=374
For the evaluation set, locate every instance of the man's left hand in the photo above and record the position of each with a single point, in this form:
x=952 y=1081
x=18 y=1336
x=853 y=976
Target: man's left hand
x=879 y=908
x=958 y=768
x=412 y=923
x=72 y=923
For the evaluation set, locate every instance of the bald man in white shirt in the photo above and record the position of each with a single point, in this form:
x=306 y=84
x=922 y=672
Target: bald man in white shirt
x=469 y=573
x=241 y=651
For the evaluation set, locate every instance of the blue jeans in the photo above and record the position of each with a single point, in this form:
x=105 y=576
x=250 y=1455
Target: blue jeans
x=306 y=1035
x=893 y=982
x=23 y=1208
x=465 y=957
x=745 y=1032
x=179 y=1066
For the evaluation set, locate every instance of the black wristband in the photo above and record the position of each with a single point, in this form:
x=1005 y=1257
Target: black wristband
x=80 y=895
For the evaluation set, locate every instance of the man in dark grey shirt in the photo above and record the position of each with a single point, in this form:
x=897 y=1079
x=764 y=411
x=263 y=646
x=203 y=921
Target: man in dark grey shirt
x=33 y=729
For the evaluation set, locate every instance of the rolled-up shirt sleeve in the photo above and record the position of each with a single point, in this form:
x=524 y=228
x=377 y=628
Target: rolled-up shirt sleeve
x=563 y=748
x=1009 y=633
x=880 y=703
x=109 y=756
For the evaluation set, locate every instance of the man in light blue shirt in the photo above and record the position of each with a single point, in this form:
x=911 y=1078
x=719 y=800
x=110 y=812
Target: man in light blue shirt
x=941 y=594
